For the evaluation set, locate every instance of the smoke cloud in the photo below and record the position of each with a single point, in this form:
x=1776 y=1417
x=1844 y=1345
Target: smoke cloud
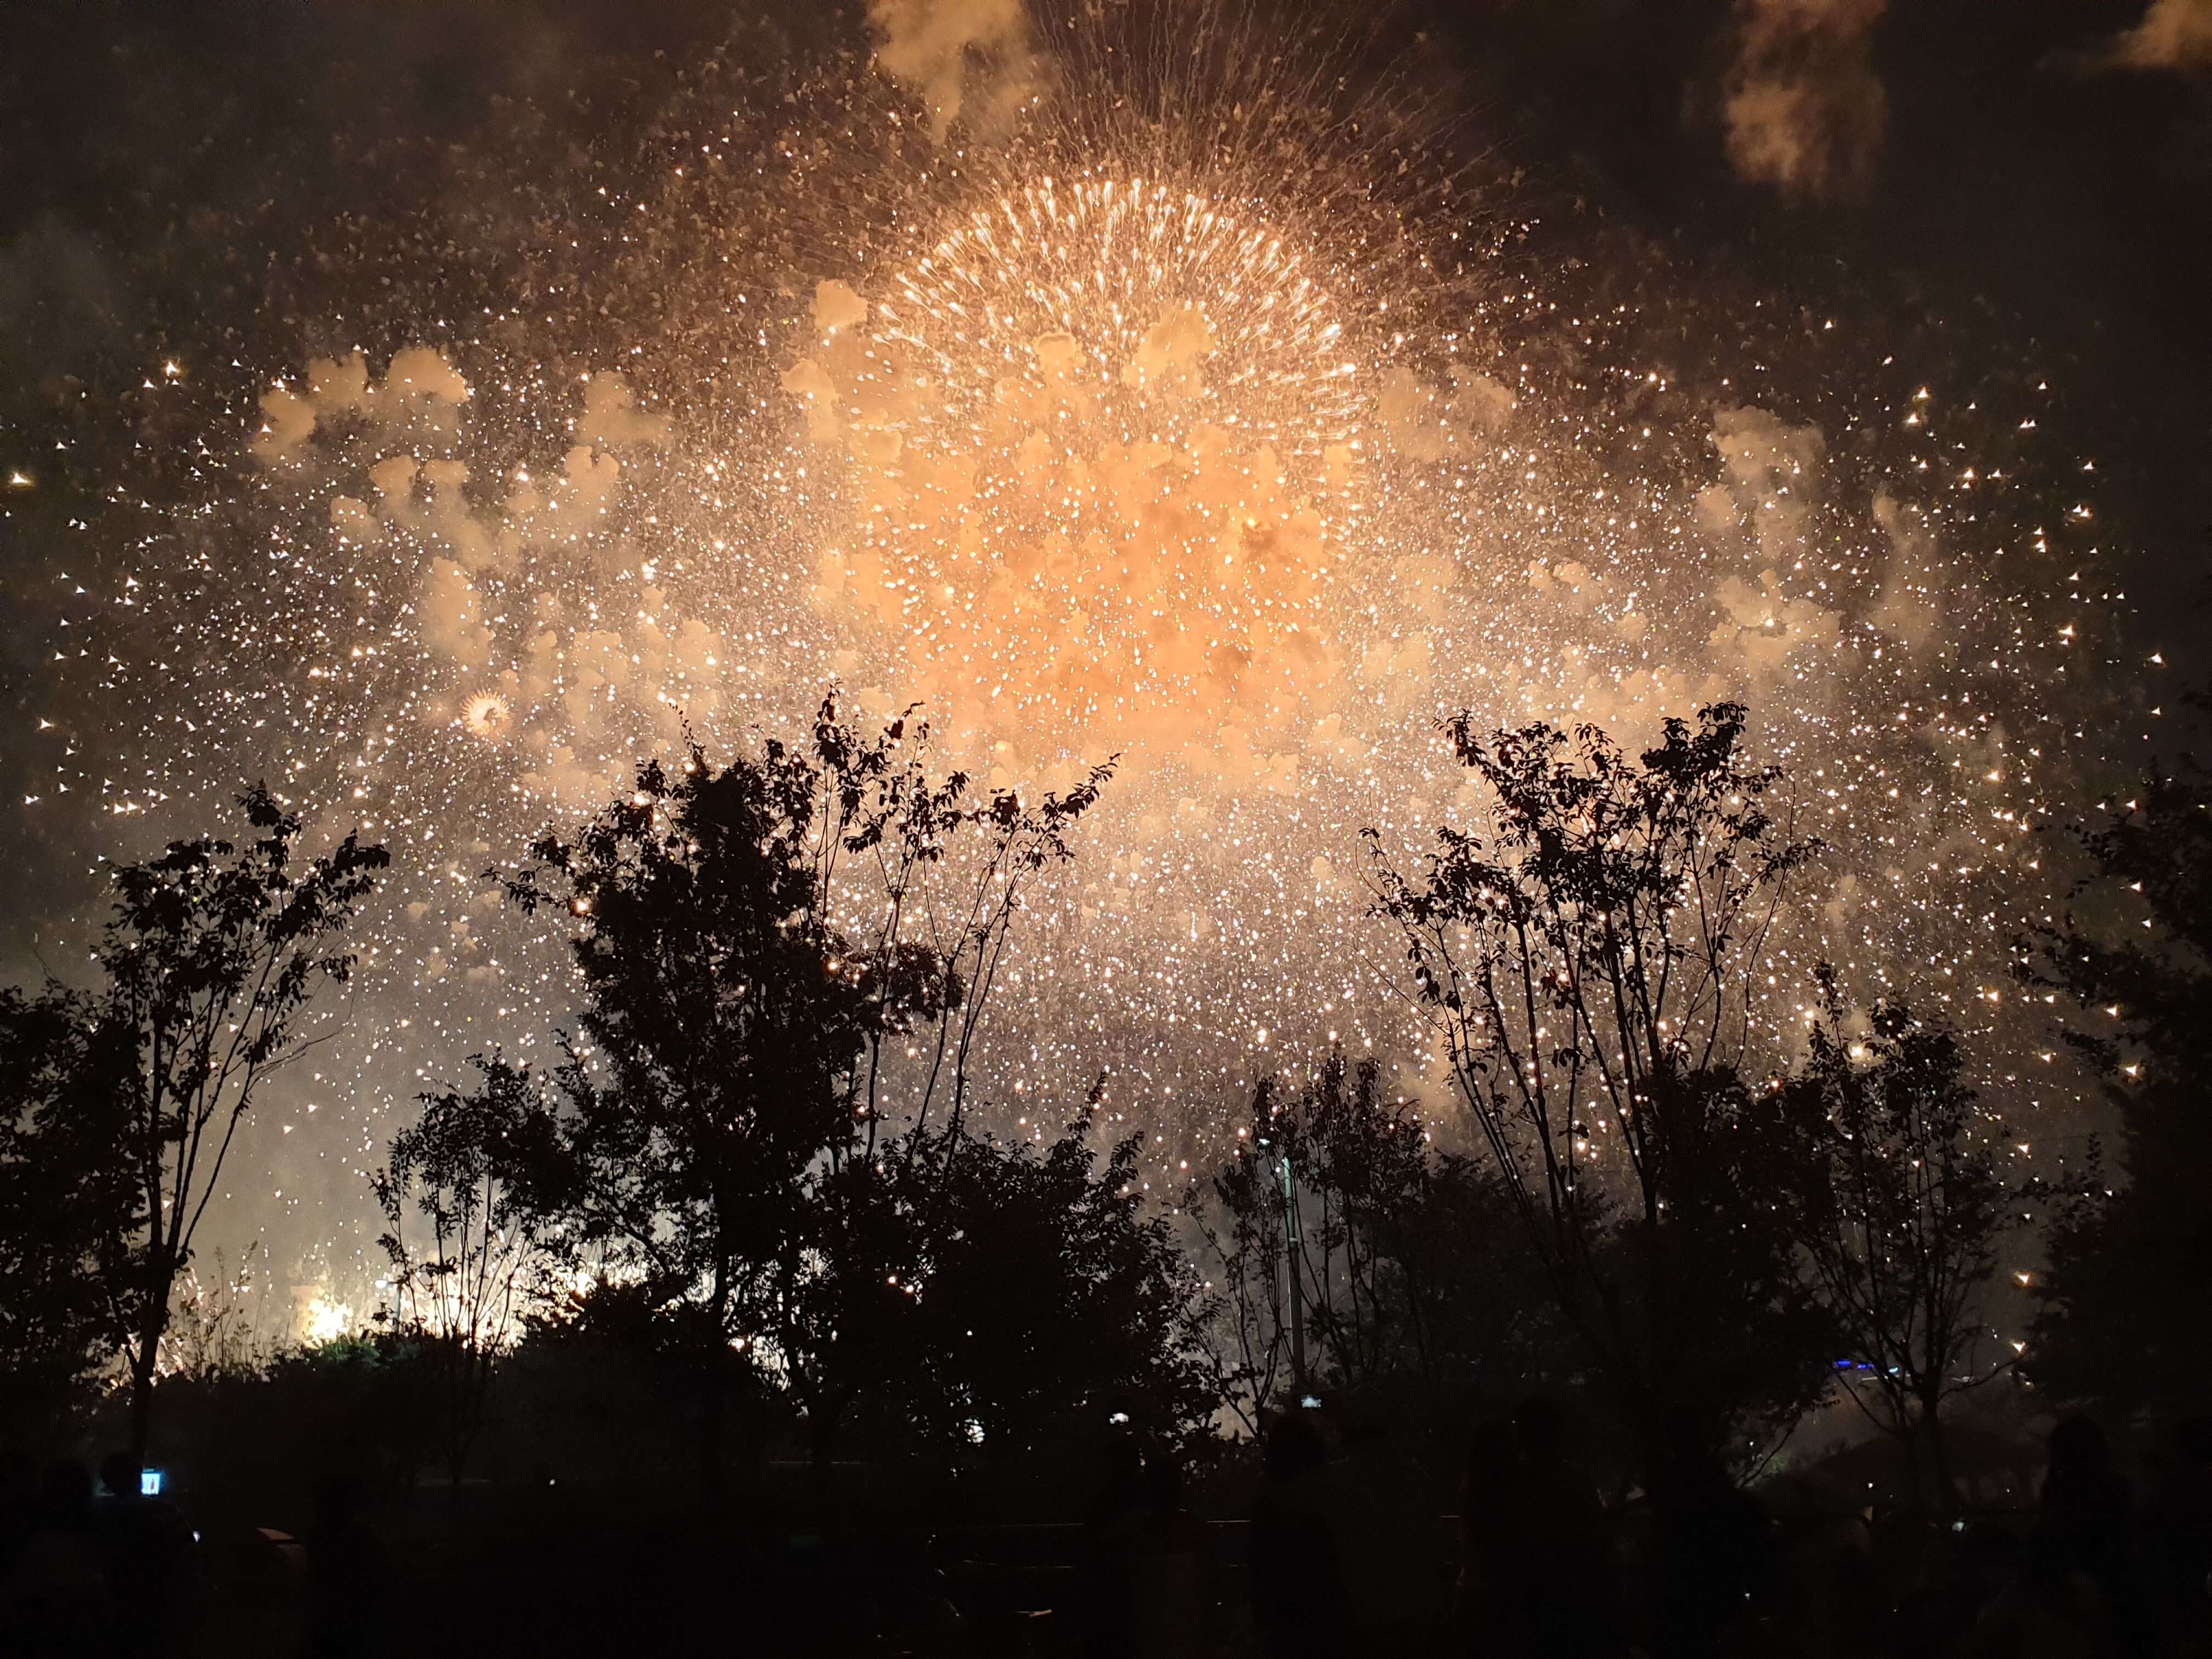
x=972 y=61
x=503 y=567
x=2174 y=35
x=1805 y=110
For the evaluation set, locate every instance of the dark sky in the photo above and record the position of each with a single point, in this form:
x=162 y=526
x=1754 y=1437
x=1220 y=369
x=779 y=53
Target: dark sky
x=2072 y=203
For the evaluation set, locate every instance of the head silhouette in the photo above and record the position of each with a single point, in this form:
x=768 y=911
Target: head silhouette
x=1294 y=1447
x=2192 y=1440
x=1540 y=1428
x=2078 y=1446
x=1492 y=1455
x=1162 y=1484
x=65 y=1489
x=119 y=1473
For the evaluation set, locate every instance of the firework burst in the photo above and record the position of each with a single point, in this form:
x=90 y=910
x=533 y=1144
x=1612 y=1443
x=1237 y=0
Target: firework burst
x=1201 y=415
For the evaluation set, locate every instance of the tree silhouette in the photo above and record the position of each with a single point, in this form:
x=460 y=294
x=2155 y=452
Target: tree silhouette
x=68 y=1201
x=459 y=1296
x=776 y=957
x=1408 y=1267
x=1586 y=971
x=1900 y=1209
x=211 y=957
x=1044 y=1299
x=2135 y=958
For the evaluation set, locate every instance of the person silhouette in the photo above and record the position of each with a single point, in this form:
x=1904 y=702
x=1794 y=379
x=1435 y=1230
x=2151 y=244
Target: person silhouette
x=1567 y=1592
x=349 y=1574
x=1389 y=1553
x=2084 y=1540
x=1711 y=1555
x=1111 y=1523
x=1169 y=1577
x=19 y=1504
x=149 y=1556
x=1489 y=1608
x=1539 y=1579
x=1298 y=1609
x=53 y=1595
x=2180 y=1528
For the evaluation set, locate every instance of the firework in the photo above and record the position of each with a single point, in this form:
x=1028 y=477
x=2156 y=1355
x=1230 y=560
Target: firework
x=1221 y=429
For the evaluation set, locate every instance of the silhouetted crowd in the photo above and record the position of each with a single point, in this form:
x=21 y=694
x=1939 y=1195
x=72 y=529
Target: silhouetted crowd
x=1688 y=1566
x=85 y=1570
x=1341 y=1559
x=112 y=1569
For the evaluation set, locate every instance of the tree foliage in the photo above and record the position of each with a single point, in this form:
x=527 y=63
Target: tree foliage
x=67 y=1203
x=2126 y=1266
x=211 y=957
x=1043 y=1299
x=784 y=962
x=1407 y=1263
x=1900 y=1207
x=1586 y=969
x=125 y=1098
x=462 y=1242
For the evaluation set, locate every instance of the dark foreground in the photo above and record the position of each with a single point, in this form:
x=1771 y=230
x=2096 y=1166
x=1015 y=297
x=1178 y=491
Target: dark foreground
x=1301 y=1552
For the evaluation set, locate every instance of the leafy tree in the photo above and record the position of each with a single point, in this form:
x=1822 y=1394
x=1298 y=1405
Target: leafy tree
x=1349 y=1174
x=1242 y=1214
x=1044 y=1298
x=774 y=956
x=619 y=1383
x=2128 y=1265
x=67 y=1204
x=457 y=1295
x=213 y=1329
x=1587 y=971
x=124 y=1101
x=1900 y=1207
x=1407 y=1262
x=211 y=958
x=253 y=1440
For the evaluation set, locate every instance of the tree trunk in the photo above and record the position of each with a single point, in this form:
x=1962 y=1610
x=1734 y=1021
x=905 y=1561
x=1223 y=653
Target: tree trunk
x=713 y=1410
x=821 y=1437
x=1931 y=1459
x=142 y=1378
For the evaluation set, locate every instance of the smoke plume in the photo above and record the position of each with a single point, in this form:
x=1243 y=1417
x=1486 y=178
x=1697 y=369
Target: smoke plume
x=972 y=61
x=1805 y=109
x=2174 y=35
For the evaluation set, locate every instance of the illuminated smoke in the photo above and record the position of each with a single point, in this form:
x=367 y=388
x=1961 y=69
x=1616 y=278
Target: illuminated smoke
x=1805 y=109
x=2174 y=35
x=1101 y=449
x=970 y=60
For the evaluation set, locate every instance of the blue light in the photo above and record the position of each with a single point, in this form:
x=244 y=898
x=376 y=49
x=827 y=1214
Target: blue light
x=150 y=1483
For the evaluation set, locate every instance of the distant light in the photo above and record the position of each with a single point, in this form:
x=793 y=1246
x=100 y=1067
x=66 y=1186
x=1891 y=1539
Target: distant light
x=1310 y=1403
x=150 y=1483
x=1117 y=1417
